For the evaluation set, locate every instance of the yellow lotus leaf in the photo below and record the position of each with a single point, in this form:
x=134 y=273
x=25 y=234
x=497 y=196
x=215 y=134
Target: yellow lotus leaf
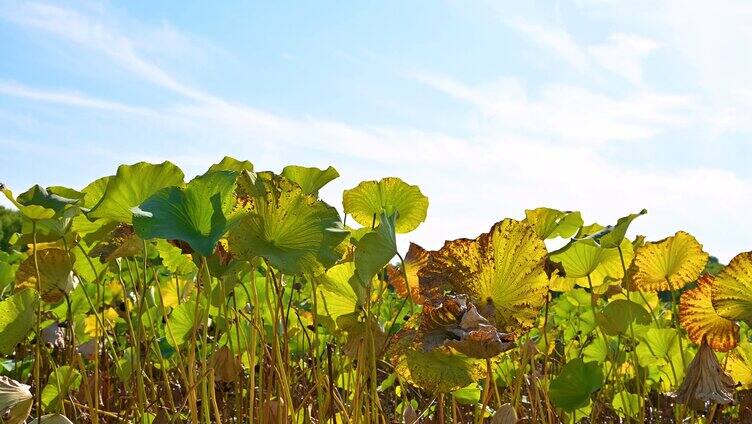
x=739 y=364
x=55 y=267
x=109 y=318
x=702 y=322
x=502 y=272
x=175 y=291
x=669 y=264
x=732 y=291
x=415 y=260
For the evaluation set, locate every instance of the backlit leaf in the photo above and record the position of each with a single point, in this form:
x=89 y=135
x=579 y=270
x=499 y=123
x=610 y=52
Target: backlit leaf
x=668 y=264
x=732 y=289
x=55 y=267
x=415 y=259
x=501 y=271
x=550 y=223
x=369 y=199
x=739 y=364
x=375 y=249
x=231 y=164
x=294 y=231
x=17 y=314
x=311 y=180
x=698 y=316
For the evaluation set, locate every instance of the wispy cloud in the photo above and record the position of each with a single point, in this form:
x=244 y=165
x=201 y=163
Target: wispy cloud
x=66 y=98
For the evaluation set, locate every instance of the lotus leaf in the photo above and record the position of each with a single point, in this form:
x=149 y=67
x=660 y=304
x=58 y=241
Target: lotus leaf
x=668 y=264
x=703 y=324
x=55 y=266
x=390 y=196
x=551 y=223
x=732 y=289
x=311 y=180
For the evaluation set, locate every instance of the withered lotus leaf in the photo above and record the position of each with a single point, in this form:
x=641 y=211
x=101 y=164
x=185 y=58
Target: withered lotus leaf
x=478 y=338
x=226 y=365
x=415 y=259
x=669 y=264
x=732 y=289
x=698 y=316
x=55 y=267
x=122 y=242
x=502 y=272
x=705 y=381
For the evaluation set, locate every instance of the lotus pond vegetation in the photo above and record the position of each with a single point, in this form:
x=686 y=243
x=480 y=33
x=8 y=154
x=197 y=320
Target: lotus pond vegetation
x=241 y=296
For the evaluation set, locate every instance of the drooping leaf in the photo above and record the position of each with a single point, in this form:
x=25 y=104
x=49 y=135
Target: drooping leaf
x=501 y=271
x=551 y=223
x=571 y=389
x=131 y=186
x=231 y=164
x=55 y=267
x=61 y=381
x=15 y=398
x=613 y=236
x=16 y=318
x=33 y=212
x=375 y=250
x=705 y=381
x=294 y=231
x=415 y=259
x=698 y=316
x=436 y=371
x=668 y=264
x=732 y=289
x=311 y=180
x=390 y=196
x=196 y=213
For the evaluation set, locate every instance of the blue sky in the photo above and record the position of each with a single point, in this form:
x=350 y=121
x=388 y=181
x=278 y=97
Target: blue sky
x=490 y=107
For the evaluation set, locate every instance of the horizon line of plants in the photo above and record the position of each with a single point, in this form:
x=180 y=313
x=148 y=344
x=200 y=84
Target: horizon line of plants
x=242 y=296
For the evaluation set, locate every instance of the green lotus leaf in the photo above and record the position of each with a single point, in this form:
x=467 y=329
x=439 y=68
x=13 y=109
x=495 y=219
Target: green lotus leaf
x=17 y=314
x=62 y=380
x=618 y=314
x=174 y=259
x=339 y=291
x=92 y=230
x=375 y=250
x=581 y=259
x=231 y=164
x=131 y=186
x=612 y=236
x=293 y=230
x=31 y=211
x=180 y=323
x=659 y=348
x=311 y=180
x=196 y=214
x=551 y=223
x=501 y=271
x=369 y=199
x=626 y=404
x=571 y=389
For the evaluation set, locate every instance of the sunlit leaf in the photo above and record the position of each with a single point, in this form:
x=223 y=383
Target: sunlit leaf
x=17 y=314
x=180 y=323
x=121 y=242
x=626 y=404
x=294 y=231
x=581 y=260
x=311 y=180
x=94 y=329
x=613 y=236
x=619 y=314
x=732 y=289
x=415 y=259
x=174 y=291
x=739 y=364
x=131 y=185
x=375 y=249
x=196 y=213
x=229 y=163
x=55 y=267
x=174 y=259
x=551 y=223
x=577 y=380
x=501 y=271
x=390 y=196
x=668 y=264
x=338 y=291
x=698 y=316
x=61 y=381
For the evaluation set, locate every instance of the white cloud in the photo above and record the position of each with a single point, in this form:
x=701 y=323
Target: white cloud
x=68 y=98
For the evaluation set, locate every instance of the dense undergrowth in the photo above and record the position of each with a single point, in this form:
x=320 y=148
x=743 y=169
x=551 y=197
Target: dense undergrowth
x=242 y=297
